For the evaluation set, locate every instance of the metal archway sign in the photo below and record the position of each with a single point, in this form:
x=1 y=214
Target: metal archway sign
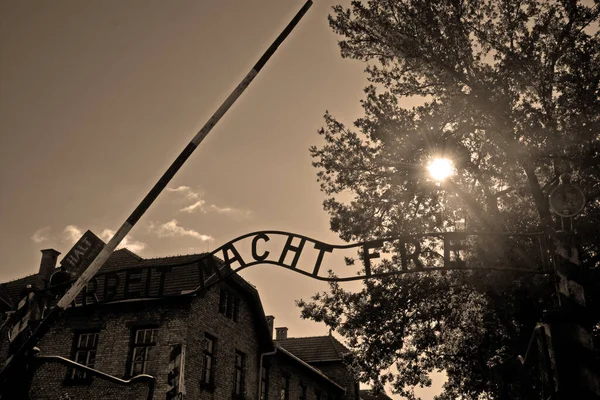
x=440 y=251
x=415 y=253
x=314 y=259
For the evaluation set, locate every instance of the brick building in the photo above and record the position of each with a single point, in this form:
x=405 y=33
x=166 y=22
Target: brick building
x=143 y=316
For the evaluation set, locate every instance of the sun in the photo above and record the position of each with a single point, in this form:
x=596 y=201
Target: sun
x=440 y=168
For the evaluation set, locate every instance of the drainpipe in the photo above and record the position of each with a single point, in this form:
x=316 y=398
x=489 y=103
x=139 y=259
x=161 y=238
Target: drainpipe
x=260 y=364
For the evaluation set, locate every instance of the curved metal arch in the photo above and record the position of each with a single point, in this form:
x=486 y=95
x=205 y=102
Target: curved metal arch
x=383 y=274
x=227 y=271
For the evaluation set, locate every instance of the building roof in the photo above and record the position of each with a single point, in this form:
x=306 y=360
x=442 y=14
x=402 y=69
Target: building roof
x=310 y=368
x=184 y=279
x=370 y=395
x=123 y=256
x=315 y=349
x=10 y=292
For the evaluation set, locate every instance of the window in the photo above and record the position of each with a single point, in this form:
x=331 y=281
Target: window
x=176 y=369
x=85 y=346
x=264 y=383
x=208 y=361
x=240 y=373
x=229 y=304
x=285 y=387
x=144 y=343
x=302 y=391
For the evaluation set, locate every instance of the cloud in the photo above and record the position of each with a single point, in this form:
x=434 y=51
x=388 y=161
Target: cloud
x=186 y=191
x=200 y=206
x=223 y=210
x=191 y=208
x=128 y=242
x=41 y=235
x=73 y=233
x=171 y=228
x=231 y=211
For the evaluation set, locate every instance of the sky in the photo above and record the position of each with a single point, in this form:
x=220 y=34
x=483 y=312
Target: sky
x=97 y=98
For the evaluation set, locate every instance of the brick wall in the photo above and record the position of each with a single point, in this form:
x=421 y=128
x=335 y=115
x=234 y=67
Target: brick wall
x=53 y=388
x=340 y=373
x=178 y=321
x=230 y=336
x=280 y=366
x=116 y=324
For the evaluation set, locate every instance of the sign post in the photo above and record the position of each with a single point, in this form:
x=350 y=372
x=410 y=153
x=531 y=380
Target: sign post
x=575 y=369
x=19 y=358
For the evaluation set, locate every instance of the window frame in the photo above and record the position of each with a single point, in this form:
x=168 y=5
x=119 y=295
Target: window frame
x=174 y=376
x=223 y=297
x=152 y=345
x=211 y=354
x=229 y=304
x=76 y=348
x=241 y=370
x=303 y=391
x=284 y=393
x=318 y=394
x=264 y=383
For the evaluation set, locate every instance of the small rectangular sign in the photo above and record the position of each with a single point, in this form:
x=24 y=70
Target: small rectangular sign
x=82 y=254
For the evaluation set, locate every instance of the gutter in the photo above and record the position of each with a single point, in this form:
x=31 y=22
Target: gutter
x=260 y=365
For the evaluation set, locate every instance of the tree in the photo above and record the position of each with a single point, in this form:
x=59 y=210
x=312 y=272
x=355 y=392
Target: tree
x=509 y=90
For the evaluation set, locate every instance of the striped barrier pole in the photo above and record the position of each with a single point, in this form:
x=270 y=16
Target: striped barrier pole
x=95 y=266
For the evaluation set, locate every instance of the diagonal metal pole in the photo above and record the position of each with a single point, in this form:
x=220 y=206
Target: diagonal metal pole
x=93 y=268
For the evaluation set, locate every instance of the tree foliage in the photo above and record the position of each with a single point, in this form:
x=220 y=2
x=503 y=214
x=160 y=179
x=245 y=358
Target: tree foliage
x=509 y=90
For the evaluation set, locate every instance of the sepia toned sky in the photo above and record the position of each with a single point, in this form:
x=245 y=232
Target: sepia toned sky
x=97 y=98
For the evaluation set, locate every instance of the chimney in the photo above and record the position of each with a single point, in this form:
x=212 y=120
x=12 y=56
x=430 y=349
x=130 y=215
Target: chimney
x=48 y=263
x=270 y=322
x=281 y=333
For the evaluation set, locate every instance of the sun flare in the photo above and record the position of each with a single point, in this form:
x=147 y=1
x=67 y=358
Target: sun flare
x=440 y=168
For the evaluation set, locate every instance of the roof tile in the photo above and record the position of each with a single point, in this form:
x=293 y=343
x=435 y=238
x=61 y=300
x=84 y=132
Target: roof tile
x=315 y=348
x=11 y=291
